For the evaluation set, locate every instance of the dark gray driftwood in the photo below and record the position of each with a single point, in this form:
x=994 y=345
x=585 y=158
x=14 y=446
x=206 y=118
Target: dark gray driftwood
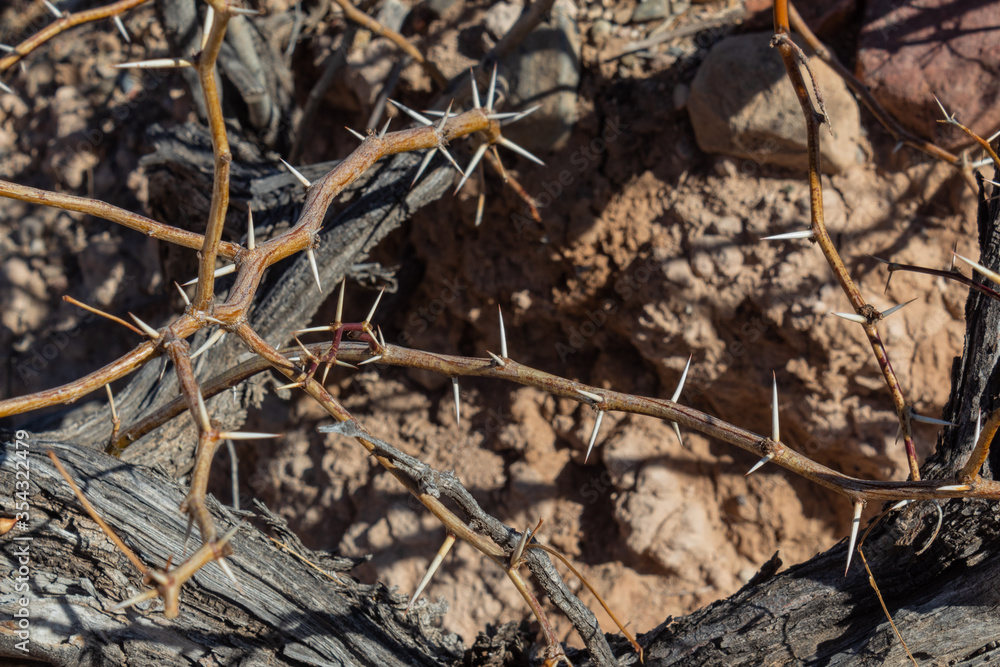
x=286 y=613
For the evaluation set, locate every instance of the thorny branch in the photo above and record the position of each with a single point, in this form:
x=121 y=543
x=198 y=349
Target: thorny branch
x=865 y=314
x=62 y=23
x=488 y=535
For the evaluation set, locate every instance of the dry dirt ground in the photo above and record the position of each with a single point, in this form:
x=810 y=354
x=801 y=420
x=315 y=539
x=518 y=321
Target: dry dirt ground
x=651 y=254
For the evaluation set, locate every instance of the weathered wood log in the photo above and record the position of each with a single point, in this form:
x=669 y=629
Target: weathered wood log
x=285 y=611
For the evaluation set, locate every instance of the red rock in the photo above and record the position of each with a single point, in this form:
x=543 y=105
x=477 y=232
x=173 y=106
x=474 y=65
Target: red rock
x=910 y=52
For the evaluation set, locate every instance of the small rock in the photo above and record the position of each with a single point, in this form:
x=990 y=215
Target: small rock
x=500 y=18
x=726 y=225
x=19 y=274
x=393 y=13
x=651 y=10
x=545 y=69
x=910 y=52
x=678 y=272
x=440 y=7
x=725 y=168
x=600 y=31
x=742 y=104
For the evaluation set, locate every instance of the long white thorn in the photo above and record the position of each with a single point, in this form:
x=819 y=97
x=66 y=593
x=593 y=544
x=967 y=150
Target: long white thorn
x=507 y=143
x=892 y=310
x=206 y=423
x=206 y=30
x=147 y=594
x=852 y=317
x=248 y=435
x=187 y=301
x=121 y=28
x=680 y=383
x=339 y=315
x=775 y=432
x=475 y=90
x=5 y=88
x=111 y=401
x=979 y=427
x=677 y=394
x=150 y=331
x=855 y=525
x=522 y=114
x=325 y=327
x=992 y=275
x=513 y=116
x=497 y=360
x=245 y=11
x=449 y=542
x=948 y=118
x=251 y=241
x=804 y=234
x=506 y=115
x=224 y=566
x=677 y=432
x=155 y=63
x=929 y=420
x=216 y=336
x=360 y=136
x=423 y=165
x=476 y=157
x=385 y=127
x=297 y=174
x=492 y=90
x=900 y=505
x=503 y=336
x=757 y=466
x=596 y=399
x=371 y=313
x=52 y=8
x=955 y=487
x=447 y=154
x=370 y=360
x=315 y=269
x=593 y=434
x=480 y=207
x=458 y=403
x=411 y=113
x=218 y=273
x=444 y=118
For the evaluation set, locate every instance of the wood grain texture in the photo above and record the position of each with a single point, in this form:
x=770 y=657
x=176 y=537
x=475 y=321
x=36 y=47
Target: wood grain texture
x=286 y=612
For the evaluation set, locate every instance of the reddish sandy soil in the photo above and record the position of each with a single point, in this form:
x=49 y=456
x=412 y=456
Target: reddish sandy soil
x=650 y=255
